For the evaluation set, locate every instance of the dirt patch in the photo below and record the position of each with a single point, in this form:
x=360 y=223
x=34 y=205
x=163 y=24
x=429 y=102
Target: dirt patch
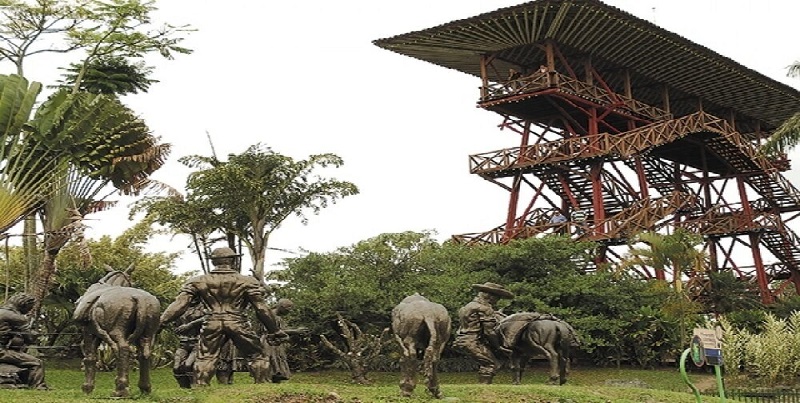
x=705 y=383
x=301 y=398
x=627 y=383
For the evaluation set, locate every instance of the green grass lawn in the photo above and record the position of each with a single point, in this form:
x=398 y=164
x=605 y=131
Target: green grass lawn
x=585 y=385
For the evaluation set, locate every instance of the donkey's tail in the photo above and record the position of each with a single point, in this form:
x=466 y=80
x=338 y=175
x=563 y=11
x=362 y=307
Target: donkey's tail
x=565 y=336
x=144 y=324
x=433 y=330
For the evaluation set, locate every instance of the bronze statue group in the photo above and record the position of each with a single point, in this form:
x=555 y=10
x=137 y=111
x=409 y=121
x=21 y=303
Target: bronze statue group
x=211 y=317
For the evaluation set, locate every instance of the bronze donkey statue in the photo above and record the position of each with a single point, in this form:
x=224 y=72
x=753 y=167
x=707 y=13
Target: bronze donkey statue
x=532 y=333
x=420 y=325
x=113 y=312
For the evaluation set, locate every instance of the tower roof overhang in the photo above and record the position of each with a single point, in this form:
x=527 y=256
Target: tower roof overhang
x=614 y=39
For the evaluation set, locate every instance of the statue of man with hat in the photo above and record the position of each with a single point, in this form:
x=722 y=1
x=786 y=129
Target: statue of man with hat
x=476 y=334
x=226 y=294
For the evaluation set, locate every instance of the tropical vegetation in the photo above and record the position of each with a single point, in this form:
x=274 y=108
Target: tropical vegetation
x=82 y=140
x=247 y=198
x=787 y=136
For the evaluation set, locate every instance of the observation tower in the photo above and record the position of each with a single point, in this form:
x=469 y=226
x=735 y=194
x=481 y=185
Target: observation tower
x=624 y=127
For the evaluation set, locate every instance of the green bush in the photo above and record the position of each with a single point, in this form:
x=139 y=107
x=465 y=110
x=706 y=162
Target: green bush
x=770 y=357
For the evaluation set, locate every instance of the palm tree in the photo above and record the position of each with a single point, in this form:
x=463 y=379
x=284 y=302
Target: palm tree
x=108 y=75
x=676 y=251
x=104 y=144
x=787 y=136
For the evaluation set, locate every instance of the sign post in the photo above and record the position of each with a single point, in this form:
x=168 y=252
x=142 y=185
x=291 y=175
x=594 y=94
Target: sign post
x=686 y=377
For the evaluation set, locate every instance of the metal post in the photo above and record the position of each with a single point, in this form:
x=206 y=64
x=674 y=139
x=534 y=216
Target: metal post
x=686 y=377
x=720 y=386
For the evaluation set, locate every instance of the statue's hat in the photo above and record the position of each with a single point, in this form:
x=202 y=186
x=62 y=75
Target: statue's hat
x=494 y=289
x=220 y=253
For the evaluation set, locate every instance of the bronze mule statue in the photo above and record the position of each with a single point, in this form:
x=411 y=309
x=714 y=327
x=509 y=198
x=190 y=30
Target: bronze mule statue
x=532 y=333
x=420 y=325
x=113 y=312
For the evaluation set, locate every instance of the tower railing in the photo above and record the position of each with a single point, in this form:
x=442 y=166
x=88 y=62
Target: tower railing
x=541 y=80
x=640 y=216
x=764 y=176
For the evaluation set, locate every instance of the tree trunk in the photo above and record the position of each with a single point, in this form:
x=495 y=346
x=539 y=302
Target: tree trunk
x=196 y=242
x=358 y=373
x=258 y=255
x=43 y=279
x=30 y=249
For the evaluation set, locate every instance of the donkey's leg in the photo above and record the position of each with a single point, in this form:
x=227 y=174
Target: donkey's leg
x=516 y=364
x=144 y=351
x=563 y=367
x=408 y=365
x=552 y=359
x=432 y=354
x=563 y=347
x=89 y=348
x=123 y=366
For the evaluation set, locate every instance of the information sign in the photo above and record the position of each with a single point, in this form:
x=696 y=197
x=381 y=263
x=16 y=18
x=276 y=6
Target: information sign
x=710 y=346
x=708 y=337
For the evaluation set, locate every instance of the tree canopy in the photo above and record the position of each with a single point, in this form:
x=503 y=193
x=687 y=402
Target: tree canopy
x=249 y=196
x=98 y=140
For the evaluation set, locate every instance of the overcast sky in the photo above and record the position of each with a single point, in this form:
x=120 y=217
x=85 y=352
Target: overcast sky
x=304 y=78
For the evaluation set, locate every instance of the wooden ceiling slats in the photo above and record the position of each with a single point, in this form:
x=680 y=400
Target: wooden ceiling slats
x=528 y=25
x=573 y=24
x=585 y=41
x=562 y=12
x=459 y=40
x=542 y=21
x=608 y=34
x=511 y=29
x=488 y=30
x=619 y=39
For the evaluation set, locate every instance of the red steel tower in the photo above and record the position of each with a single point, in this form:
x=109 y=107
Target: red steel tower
x=625 y=127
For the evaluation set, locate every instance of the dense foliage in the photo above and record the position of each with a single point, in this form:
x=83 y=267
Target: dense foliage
x=619 y=319
x=151 y=272
x=769 y=357
x=248 y=197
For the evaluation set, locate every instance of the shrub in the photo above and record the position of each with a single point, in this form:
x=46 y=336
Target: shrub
x=772 y=355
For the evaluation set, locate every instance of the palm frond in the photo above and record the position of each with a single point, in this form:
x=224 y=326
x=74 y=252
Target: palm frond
x=26 y=166
x=787 y=136
x=794 y=69
x=104 y=138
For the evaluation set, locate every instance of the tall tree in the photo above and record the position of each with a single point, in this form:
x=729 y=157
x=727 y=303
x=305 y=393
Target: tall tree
x=676 y=253
x=183 y=218
x=251 y=194
x=109 y=75
x=100 y=28
x=113 y=36
x=104 y=143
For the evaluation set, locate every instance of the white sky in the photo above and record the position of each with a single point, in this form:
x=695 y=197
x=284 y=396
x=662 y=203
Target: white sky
x=303 y=77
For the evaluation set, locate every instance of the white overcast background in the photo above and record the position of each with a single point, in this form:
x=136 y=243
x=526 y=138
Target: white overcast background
x=305 y=78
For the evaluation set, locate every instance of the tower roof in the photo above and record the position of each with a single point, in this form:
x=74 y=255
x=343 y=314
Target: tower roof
x=614 y=39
